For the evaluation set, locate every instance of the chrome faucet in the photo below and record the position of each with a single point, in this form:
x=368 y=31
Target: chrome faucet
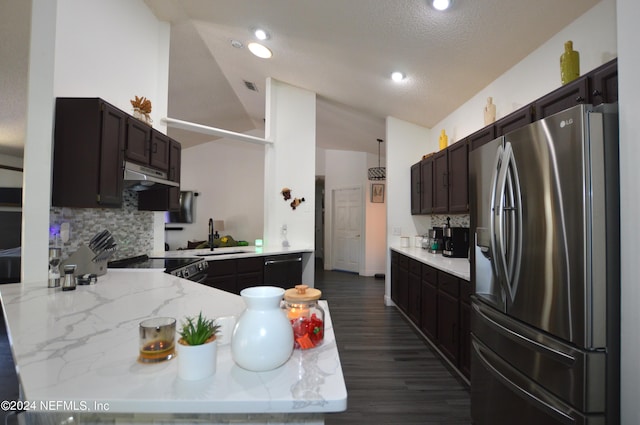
x=211 y=234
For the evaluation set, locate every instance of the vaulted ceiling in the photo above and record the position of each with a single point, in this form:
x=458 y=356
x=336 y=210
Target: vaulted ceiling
x=343 y=50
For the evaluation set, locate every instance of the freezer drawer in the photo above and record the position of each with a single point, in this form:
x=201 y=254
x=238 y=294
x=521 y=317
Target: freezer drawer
x=500 y=395
x=575 y=376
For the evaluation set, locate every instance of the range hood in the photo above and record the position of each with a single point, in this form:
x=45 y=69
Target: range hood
x=138 y=177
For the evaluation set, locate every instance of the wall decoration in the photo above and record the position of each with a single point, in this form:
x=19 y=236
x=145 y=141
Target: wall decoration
x=296 y=202
x=286 y=193
x=377 y=193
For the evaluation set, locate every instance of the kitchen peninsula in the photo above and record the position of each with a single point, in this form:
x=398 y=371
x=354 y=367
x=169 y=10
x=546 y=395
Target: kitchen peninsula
x=76 y=356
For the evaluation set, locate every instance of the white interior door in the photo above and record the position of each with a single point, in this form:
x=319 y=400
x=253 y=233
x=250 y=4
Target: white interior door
x=347 y=229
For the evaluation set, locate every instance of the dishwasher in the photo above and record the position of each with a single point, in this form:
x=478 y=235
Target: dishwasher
x=284 y=271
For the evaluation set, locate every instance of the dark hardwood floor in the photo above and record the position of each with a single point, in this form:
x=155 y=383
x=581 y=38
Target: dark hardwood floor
x=392 y=374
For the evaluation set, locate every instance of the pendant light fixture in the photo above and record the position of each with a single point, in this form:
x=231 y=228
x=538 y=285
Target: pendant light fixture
x=378 y=173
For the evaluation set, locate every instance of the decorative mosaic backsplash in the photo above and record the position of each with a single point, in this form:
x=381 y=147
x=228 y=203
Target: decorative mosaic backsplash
x=131 y=229
x=457 y=220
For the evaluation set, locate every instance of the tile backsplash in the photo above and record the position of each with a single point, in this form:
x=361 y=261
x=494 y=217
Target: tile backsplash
x=131 y=229
x=457 y=220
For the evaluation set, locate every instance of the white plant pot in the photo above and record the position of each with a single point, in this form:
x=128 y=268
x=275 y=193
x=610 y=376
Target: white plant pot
x=197 y=361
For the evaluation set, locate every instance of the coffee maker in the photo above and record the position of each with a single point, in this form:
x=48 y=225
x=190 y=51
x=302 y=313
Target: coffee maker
x=456 y=241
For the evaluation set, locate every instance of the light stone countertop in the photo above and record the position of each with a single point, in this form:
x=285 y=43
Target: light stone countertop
x=226 y=253
x=82 y=345
x=459 y=267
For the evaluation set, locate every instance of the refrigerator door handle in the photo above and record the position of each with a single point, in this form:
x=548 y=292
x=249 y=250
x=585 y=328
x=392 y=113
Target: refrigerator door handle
x=494 y=247
x=507 y=222
x=521 y=385
x=545 y=350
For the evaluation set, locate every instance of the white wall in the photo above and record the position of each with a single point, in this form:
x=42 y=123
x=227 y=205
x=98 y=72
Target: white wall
x=115 y=50
x=289 y=162
x=629 y=89
x=405 y=145
x=228 y=176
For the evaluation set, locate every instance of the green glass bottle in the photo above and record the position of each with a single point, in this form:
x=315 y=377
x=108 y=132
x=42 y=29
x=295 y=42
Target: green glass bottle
x=569 y=63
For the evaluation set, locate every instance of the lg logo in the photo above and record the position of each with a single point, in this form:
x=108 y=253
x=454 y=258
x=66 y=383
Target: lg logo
x=564 y=123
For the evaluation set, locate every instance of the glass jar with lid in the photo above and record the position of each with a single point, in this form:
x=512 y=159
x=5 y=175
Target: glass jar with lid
x=305 y=315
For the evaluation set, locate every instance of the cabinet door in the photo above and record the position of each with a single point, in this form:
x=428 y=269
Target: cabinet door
x=426 y=186
x=250 y=272
x=514 y=120
x=465 y=340
x=440 y=182
x=175 y=153
x=604 y=83
x=458 y=177
x=402 y=293
x=481 y=137
x=112 y=141
x=448 y=327
x=159 y=155
x=572 y=94
x=221 y=274
x=413 y=291
x=395 y=276
x=429 y=310
x=138 y=139
x=89 y=137
x=415 y=188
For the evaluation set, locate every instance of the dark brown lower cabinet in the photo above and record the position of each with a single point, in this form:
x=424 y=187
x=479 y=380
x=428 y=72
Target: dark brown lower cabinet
x=413 y=291
x=221 y=274
x=236 y=274
x=437 y=303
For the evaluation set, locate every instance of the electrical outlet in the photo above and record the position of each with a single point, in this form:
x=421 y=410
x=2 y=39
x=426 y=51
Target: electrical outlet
x=397 y=231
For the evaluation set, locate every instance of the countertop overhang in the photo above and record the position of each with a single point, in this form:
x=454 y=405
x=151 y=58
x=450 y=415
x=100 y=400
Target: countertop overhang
x=82 y=345
x=459 y=267
x=226 y=253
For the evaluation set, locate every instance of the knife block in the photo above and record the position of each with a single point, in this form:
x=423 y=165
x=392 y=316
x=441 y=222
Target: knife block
x=83 y=259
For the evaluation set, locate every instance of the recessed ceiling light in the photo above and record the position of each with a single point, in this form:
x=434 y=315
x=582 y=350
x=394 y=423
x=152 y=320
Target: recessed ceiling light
x=237 y=44
x=259 y=50
x=261 y=34
x=397 y=76
x=441 y=4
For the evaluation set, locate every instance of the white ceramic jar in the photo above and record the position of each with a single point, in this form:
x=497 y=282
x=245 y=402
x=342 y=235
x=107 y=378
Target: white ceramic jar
x=263 y=338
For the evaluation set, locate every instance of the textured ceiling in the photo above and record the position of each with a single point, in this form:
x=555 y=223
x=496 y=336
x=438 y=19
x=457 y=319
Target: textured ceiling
x=343 y=50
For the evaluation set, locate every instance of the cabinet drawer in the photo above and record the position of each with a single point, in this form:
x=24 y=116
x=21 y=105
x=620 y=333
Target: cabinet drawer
x=250 y=265
x=415 y=267
x=221 y=268
x=429 y=274
x=448 y=283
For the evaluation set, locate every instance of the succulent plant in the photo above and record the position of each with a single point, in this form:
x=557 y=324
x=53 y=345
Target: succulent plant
x=198 y=330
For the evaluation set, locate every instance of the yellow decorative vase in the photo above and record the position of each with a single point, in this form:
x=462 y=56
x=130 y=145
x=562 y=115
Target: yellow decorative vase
x=444 y=140
x=569 y=63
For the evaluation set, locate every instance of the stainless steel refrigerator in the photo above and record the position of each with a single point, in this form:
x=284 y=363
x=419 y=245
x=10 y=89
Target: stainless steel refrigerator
x=545 y=325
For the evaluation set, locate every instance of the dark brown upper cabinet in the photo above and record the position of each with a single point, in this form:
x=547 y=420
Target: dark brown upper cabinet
x=514 y=120
x=426 y=185
x=146 y=145
x=441 y=182
x=604 y=83
x=481 y=137
x=165 y=199
x=458 y=175
x=572 y=94
x=88 y=154
x=415 y=188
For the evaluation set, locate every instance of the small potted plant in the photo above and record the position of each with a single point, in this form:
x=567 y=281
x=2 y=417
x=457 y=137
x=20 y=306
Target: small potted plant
x=197 y=348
